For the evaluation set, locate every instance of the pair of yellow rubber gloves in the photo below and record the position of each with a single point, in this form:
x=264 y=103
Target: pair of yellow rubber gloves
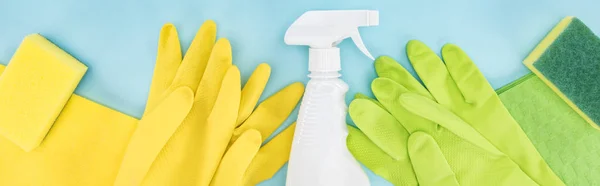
x=199 y=128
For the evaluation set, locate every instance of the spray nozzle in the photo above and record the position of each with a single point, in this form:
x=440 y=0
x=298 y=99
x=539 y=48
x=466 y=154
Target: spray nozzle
x=324 y=30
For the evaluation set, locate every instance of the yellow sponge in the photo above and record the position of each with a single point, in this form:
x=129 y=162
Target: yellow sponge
x=34 y=88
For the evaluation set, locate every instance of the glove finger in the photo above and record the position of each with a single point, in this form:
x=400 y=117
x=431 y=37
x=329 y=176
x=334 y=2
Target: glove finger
x=428 y=162
x=398 y=172
x=380 y=127
x=388 y=68
x=472 y=84
x=220 y=124
x=196 y=58
x=237 y=159
x=152 y=134
x=273 y=111
x=218 y=64
x=253 y=90
x=433 y=73
x=388 y=93
x=361 y=96
x=168 y=59
x=426 y=108
x=271 y=157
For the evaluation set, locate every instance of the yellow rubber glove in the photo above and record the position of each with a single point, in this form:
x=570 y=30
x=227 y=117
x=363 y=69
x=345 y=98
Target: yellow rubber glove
x=193 y=153
x=246 y=162
x=263 y=121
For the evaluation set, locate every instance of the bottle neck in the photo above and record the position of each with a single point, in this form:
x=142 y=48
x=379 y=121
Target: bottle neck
x=324 y=60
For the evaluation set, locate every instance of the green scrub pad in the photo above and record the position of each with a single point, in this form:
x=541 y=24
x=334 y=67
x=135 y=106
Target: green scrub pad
x=568 y=61
x=564 y=139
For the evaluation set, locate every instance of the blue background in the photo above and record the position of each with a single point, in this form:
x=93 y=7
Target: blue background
x=117 y=39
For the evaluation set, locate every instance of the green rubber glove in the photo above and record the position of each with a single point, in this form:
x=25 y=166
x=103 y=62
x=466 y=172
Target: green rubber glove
x=429 y=162
x=380 y=145
x=488 y=143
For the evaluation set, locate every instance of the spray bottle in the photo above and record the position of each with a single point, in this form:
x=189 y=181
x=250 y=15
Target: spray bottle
x=319 y=154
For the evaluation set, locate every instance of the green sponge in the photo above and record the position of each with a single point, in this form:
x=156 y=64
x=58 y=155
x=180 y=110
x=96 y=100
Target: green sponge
x=568 y=61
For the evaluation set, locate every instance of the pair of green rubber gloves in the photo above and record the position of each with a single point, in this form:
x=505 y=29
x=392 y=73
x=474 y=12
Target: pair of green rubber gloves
x=452 y=131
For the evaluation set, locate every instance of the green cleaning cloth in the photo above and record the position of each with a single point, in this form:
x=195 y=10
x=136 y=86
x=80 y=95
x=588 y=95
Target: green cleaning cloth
x=570 y=146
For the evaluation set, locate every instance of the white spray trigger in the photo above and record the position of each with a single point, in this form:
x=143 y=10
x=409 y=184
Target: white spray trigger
x=324 y=30
x=355 y=35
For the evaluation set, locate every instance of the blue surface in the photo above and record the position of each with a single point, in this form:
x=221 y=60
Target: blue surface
x=117 y=39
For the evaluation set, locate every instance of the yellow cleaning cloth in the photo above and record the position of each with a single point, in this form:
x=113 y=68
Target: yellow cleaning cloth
x=84 y=147
x=87 y=141
x=39 y=74
x=83 y=142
